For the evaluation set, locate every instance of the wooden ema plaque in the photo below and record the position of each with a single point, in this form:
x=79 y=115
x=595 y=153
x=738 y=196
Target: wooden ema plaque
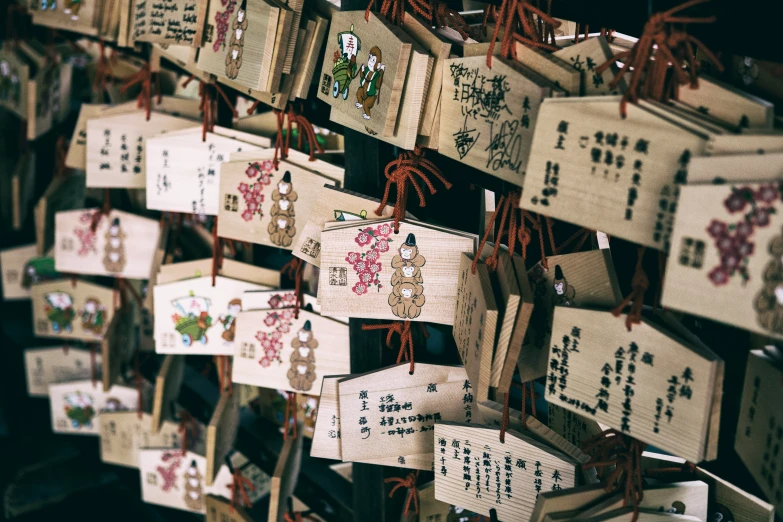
x=273 y=349
x=371 y=272
x=76 y=405
x=389 y=415
x=620 y=176
x=284 y=478
x=473 y=468
x=645 y=383
x=584 y=279
x=221 y=433
x=264 y=277
x=123 y=434
x=179 y=22
x=744 y=144
x=167 y=386
x=364 y=70
x=584 y=57
x=726 y=257
x=13 y=264
x=264 y=205
x=566 y=500
x=122 y=244
x=759 y=432
x=678 y=498
x=558 y=71
x=220 y=510
x=488 y=115
x=72 y=309
x=46 y=366
x=77 y=148
x=115 y=146
x=729 y=104
x=327 y=438
x=571 y=426
x=753 y=168
x=194 y=317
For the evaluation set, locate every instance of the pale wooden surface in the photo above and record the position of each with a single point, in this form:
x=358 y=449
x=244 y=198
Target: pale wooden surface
x=590 y=281
x=584 y=57
x=79 y=395
x=482 y=441
x=682 y=498
x=729 y=104
x=284 y=478
x=221 y=510
x=231 y=268
x=688 y=285
x=689 y=432
x=496 y=138
x=624 y=514
x=599 y=200
x=326 y=439
x=221 y=433
x=289 y=363
x=63 y=193
x=124 y=433
x=571 y=426
x=178 y=22
x=126 y=251
x=169 y=340
x=309 y=60
x=440 y=273
x=746 y=143
x=182 y=55
x=566 y=500
x=45 y=366
x=12 y=264
x=736 y=168
x=77 y=293
x=284 y=25
x=453 y=400
x=167 y=385
x=476 y=324
x=320 y=166
x=551 y=67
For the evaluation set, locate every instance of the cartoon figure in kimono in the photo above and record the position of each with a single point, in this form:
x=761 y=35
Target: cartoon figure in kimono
x=345 y=69
x=192 y=318
x=93 y=316
x=229 y=321
x=59 y=310
x=372 y=80
x=79 y=409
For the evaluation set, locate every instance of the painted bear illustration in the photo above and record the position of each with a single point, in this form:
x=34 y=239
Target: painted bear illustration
x=302 y=372
x=282 y=223
x=114 y=251
x=407 y=295
x=237 y=43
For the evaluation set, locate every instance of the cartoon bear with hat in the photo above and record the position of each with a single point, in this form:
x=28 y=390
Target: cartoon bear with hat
x=302 y=372
x=407 y=295
x=282 y=225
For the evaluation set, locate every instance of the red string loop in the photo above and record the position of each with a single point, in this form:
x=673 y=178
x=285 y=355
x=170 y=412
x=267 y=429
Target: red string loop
x=242 y=484
x=409 y=482
x=289 y=421
x=639 y=285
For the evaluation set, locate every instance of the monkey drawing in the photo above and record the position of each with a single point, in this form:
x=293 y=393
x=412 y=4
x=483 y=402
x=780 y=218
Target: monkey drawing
x=407 y=295
x=371 y=82
x=302 y=372
x=237 y=43
x=282 y=225
x=114 y=251
x=564 y=293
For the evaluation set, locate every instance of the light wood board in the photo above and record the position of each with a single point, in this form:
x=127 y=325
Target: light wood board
x=72 y=309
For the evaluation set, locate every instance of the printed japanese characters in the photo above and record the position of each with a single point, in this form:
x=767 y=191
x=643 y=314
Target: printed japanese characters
x=72 y=310
x=488 y=115
x=120 y=245
x=76 y=405
x=388 y=416
x=327 y=442
x=45 y=366
x=620 y=176
x=192 y=316
x=364 y=69
x=726 y=262
x=421 y=266
x=473 y=468
x=274 y=349
x=179 y=22
x=585 y=57
x=645 y=383
x=760 y=428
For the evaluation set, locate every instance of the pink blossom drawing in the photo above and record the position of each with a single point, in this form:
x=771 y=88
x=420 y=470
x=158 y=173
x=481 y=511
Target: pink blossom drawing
x=366 y=264
x=168 y=473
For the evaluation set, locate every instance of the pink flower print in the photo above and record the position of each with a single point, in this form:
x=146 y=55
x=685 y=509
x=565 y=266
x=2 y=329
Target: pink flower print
x=289 y=298
x=274 y=301
x=271 y=353
x=363 y=238
x=766 y=193
x=247 y=215
x=724 y=244
x=719 y=276
x=374 y=268
x=353 y=257
x=745 y=248
x=360 y=266
x=265 y=362
x=251 y=171
x=267 y=166
x=372 y=256
x=243 y=188
x=284 y=328
x=257 y=188
x=717 y=228
x=384 y=230
x=738 y=199
x=760 y=217
x=276 y=336
x=366 y=277
x=287 y=314
x=744 y=229
x=382 y=245
x=265 y=179
x=270 y=319
x=730 y=260
x=216 y=46
x=359 y=288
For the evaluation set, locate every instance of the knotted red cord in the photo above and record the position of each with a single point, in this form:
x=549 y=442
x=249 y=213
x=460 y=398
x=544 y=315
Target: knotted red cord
x=242 y=484
x=579 y=30
x=400 y=172
x=505 y=419
x=188 y=427
x=209 y=104
x=448 y=17
x=403 y=329
x=105 y=210
x=508 y=207
x=686 y=468
x=103 y=71
x=290 y=414
x=582 y=234
x=649 y=78
x=392 y=10
x=294 y=270
x=143 y=77
x=409 y=482
x=511 y=13
x=303 y=128
x=618 y=460
x=639 y=285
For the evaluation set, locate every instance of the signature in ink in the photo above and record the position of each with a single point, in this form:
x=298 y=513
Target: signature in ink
x=464 y=139
x=505 y=147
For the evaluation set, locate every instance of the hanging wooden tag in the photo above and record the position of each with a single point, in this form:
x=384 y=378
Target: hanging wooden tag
x=727 y=254
x=178 y=22
x=231 y=268
x=326 y=439
x=570 y=499
x=759 y=433
x=76 y=405
x=373 y=273
x=729 y=104
x=431 y=509
x=278 y=299
x=360 y=57
x=584 y=279
x=72 y=309
x=45 y=366
x=505 y=477
x=584 y=57
x=376 y=429
x=167 y=386
x=260 y=480
x=680 y=498
x=183 y=56
x=221 y=510
x=558 y=71
x=263 y=205
x=319 y=166
x=494 y=137
x=275 y=350
x=332 y=204
x=122 y=244
x=15 y=73
x=123 y=434
x=113 y=345
x=194 y=317
x=77 y=149
x=571 y=426
x=63 y=193
x=285 y=477
x=23 y=186
x=310 y=55
x=115 y=147
x=736 y=168
x=183 y=172
x=71 y=15
x=221 y=433
x=599 y=369
x=475 y=324
x=577 y=168
x=625 y=513
x=14 y=265
x=744 y=144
